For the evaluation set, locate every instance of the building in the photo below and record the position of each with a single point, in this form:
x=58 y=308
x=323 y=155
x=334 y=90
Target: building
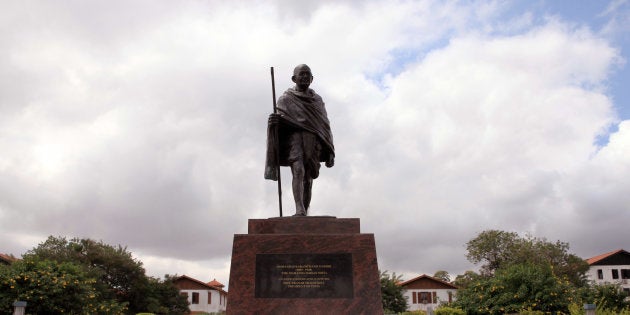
x=427 y=293
x=202 y=297
x=613 y=267
x=7 y=259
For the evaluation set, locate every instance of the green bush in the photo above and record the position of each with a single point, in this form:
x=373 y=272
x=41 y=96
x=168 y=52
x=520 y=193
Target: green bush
x=445 y=310
x=531 y=312
x=576 y=309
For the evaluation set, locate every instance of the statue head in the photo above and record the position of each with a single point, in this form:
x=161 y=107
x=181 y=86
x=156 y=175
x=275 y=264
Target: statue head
x=302 y=77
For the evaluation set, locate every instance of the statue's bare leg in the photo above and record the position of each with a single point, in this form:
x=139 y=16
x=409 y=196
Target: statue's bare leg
x=297 y=169
x=308 y=185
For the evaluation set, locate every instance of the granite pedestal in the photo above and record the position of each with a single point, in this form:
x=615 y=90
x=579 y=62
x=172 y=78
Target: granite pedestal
x=304 y=265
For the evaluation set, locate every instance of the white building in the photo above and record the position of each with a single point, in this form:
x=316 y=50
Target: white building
x=427 y=293
x=202 y=297
x=613 y=267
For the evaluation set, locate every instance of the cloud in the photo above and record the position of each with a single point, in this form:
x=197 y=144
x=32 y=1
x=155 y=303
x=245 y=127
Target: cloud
x=144 y=125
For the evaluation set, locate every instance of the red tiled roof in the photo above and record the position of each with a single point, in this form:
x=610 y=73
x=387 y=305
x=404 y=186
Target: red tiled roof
x=185 y=277
x=7 y=258
x=215 y=283
x=595 y=259
x=427 y=277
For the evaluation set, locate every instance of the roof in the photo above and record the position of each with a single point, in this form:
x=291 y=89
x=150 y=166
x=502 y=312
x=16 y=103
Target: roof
x=616 y=257
x=215 y=283
x=424 y=281
x=200 y=284
x=7 y=259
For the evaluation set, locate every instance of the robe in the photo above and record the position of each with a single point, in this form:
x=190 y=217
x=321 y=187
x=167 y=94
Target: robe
x=299 y=112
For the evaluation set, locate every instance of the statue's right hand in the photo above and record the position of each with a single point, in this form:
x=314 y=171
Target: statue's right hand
x=274 y=119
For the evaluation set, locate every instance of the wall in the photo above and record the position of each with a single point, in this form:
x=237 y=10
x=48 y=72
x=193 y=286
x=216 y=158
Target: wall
x=441 y=294
x=608 y=278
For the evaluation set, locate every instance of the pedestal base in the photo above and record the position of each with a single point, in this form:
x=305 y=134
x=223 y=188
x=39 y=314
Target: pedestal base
x=304 y=265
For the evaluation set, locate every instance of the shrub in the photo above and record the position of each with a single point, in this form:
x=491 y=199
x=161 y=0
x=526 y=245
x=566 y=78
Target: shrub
x=445 y=310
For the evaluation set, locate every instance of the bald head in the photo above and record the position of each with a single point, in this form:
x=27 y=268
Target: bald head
x=301 y=67
x=302 y=77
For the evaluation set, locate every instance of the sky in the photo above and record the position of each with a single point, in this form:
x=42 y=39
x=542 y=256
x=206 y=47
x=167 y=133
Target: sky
x=143 y=123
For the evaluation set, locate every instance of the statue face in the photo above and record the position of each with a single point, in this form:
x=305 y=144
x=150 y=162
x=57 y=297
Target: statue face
x=302 y=78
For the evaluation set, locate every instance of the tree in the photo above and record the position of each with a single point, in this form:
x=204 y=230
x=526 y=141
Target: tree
x=165 y=298
x=608 y=296
x=50 y=287
x=392 y=293
x=515 y=288
x=492 y=247
x=500 y=249
x=463 y=281
x=442 y=275
x=118 y=276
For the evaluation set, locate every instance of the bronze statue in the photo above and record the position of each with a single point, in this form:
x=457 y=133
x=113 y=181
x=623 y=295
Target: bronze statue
x=303 y=137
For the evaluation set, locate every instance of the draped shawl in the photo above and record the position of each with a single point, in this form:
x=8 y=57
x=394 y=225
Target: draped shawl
x=299 y=111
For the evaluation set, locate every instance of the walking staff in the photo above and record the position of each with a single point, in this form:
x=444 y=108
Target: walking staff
x=275 y=131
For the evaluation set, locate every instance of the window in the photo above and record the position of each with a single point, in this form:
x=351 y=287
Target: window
x=600 y=274
x=424 y=297
x=195 y=298
x=625 y=273
x=615 y=273
x=209 y=297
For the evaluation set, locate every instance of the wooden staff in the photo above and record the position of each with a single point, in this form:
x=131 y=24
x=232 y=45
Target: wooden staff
x=275 y=130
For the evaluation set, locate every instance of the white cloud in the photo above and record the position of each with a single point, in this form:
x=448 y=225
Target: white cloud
x=144 y=124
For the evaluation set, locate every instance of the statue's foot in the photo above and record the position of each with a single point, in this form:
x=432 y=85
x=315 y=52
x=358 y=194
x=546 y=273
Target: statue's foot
x=300 y=213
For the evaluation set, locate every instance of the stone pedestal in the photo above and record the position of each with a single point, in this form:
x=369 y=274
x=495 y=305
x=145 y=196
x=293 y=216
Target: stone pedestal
x=304 y=265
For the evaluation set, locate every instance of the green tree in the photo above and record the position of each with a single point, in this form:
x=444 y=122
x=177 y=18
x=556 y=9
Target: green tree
x=118 y=275
x=515 y=288
x=491 y=247
x=164 y=297
x=442 y=275
x=463 y=281
x=50 y=287
x=500 y=249
x=392 y=293
x=608 y=296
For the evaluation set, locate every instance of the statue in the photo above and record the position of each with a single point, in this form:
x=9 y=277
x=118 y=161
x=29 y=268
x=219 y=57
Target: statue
x=303 y=137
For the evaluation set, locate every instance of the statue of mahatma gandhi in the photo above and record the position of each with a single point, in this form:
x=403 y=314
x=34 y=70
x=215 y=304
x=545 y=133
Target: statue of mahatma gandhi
x=303 y=137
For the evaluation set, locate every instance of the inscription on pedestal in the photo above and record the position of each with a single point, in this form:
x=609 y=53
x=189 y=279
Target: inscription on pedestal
x=304 y=276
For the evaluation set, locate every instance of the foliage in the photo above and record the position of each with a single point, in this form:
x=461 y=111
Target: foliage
x=607 y=296
x=447 y=310
x=529 y=311
x=418 y=312
x=515 y=288
x=165 y=297
x=392 y=293
x=463 y=281
x=492 y=247
x=118 y=276
x=577 y=309
x=500 y=249
x=50 y=287
x=442 y=275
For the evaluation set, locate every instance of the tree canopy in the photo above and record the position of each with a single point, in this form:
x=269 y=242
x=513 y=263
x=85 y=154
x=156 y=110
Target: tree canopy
x=499 y=249
x=528 y=273
x=515 y=288
x=50 y=287
x=107 y=276
x=392 y=294
x=442 y=275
